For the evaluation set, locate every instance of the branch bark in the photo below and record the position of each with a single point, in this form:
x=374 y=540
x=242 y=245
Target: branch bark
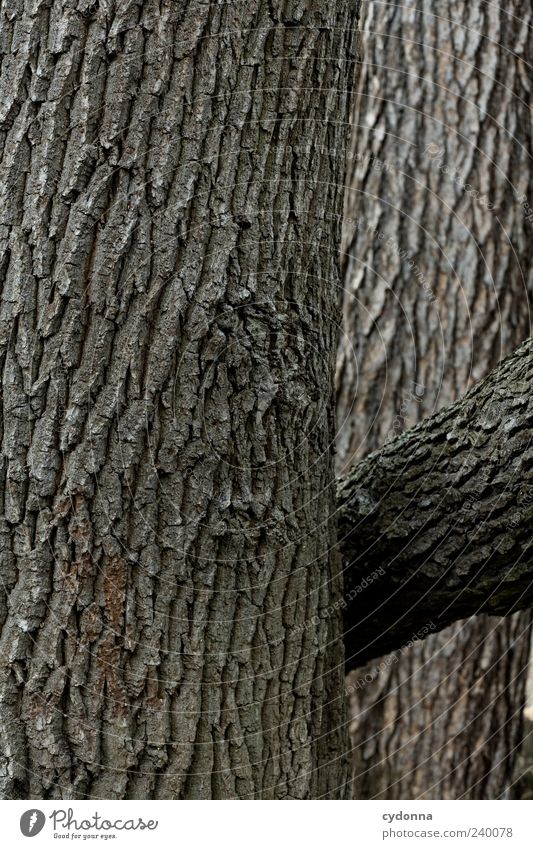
x=445 y=511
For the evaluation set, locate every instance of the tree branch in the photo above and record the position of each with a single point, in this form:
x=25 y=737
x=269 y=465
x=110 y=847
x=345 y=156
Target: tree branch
x=445 y=512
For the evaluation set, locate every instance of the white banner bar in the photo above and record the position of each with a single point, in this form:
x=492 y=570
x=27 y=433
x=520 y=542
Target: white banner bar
x=268 y=825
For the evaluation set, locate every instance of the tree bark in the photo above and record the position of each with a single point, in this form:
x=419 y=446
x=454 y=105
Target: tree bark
x=446 y=512
x=438 y=284
x=168 y=339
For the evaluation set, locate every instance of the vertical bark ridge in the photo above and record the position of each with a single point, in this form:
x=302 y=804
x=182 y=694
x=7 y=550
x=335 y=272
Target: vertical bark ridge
x=438 y=283
x=167 y=328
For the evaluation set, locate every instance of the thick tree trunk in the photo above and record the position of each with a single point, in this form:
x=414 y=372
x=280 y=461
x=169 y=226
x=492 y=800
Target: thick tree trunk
x=438 y=281
x=168 y=326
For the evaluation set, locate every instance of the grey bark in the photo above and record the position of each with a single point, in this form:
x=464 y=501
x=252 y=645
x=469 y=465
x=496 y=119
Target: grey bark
x=446 y=511
x=171 y=206
x=438 y=281
x=167 y=321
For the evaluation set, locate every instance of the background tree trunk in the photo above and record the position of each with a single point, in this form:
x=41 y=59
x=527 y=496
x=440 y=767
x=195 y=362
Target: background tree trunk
x=168 y=326
x=438 y=282
x=524 y=767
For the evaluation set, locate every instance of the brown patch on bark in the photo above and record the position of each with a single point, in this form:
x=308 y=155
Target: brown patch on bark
x=115 y=578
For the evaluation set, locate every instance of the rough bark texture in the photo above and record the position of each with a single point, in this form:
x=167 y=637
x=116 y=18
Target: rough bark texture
x=168 y=332
x=438 y=282
x=446 y=511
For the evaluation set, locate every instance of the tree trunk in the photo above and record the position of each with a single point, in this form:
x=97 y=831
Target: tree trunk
x=168 y=330
x=438 y=283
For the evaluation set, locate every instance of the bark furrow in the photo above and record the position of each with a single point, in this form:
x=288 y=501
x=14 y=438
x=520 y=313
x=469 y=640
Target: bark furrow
x=167 y=479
